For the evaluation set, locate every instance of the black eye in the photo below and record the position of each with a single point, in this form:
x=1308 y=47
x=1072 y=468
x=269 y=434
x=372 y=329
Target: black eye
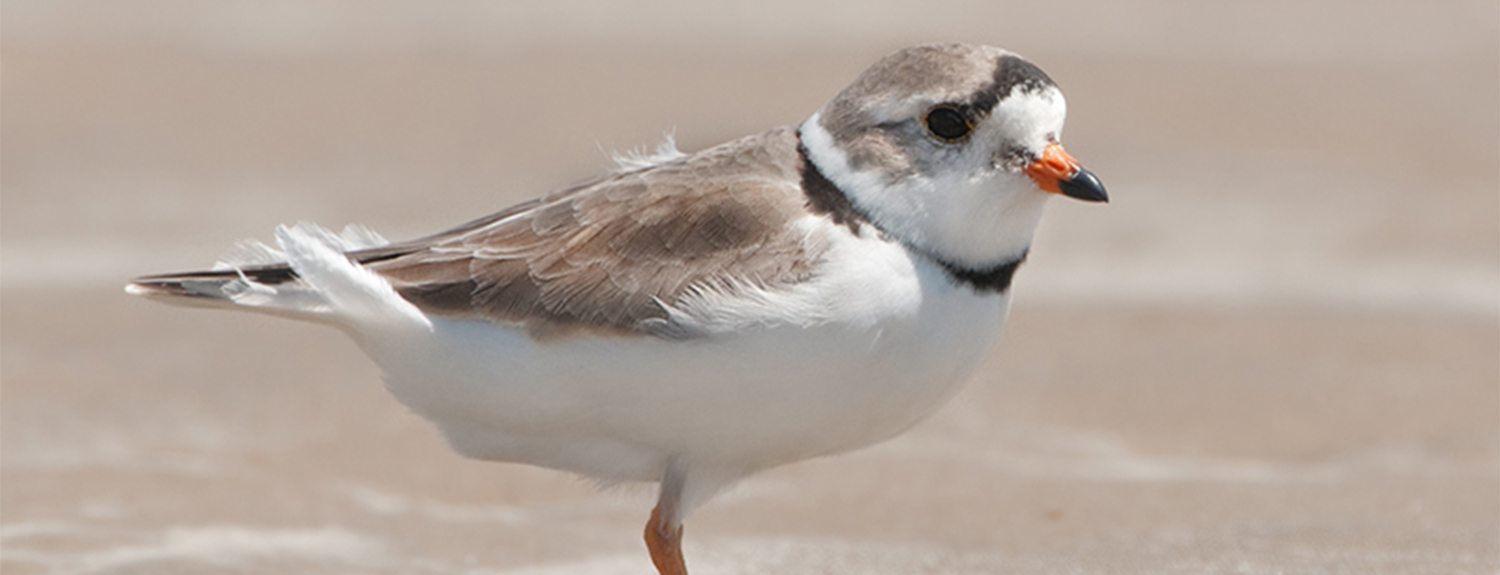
x=948 y=124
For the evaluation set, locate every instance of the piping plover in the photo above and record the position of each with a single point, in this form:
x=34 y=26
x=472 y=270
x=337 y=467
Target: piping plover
x=691 y=319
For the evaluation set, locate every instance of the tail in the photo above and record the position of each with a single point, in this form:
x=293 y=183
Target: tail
x=311 y=277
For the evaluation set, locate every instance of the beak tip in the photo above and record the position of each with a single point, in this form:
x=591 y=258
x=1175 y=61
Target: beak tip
x=1085 y=186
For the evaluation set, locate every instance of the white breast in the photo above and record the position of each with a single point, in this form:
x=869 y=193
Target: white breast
x=876 y=341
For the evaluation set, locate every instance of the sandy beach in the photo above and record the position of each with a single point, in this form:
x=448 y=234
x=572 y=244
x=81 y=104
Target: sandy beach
x=1276 y=351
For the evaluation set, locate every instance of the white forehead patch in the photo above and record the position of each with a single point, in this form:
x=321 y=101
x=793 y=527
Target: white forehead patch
x=1033 y=117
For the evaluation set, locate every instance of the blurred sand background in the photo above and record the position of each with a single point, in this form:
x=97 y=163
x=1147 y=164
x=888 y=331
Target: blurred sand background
x=1276 y=351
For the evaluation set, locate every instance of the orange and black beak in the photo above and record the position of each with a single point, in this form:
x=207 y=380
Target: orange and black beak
x=1059 y=173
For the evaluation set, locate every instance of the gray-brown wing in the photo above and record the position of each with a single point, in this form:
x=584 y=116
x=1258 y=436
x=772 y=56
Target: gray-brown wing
x=607 y=255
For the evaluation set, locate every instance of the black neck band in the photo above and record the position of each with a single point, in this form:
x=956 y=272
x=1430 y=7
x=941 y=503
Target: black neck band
x=825 y=197
x=992 y=280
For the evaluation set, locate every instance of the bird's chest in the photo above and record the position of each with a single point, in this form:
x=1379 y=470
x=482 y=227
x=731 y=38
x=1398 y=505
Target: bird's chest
x=918 y=321
x=894 y=338
x=921 y=354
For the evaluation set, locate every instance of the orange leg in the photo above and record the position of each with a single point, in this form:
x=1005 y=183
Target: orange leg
x=665 y=543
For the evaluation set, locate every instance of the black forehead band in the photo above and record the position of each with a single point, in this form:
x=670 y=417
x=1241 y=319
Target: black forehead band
x=1010 y=72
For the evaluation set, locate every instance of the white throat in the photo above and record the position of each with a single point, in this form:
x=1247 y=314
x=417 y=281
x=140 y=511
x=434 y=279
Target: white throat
x=976 y=222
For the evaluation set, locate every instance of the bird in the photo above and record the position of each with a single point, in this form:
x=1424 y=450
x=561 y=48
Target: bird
x=692 y=319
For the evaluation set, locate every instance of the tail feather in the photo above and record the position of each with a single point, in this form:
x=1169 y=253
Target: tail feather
x=215 y=288
x=309 y=275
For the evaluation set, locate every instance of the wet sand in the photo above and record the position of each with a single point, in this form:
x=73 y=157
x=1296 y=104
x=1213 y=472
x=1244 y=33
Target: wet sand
x=1275 y=351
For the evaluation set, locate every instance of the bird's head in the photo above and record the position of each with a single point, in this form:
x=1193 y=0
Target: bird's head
x=953 y=148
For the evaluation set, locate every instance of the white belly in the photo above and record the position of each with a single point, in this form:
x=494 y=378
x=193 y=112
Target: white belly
x=854 y=357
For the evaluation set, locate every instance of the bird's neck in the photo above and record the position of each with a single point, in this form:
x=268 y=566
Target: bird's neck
x=977 y=225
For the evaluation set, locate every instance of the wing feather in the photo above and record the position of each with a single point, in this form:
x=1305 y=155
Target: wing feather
x=608 y=255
